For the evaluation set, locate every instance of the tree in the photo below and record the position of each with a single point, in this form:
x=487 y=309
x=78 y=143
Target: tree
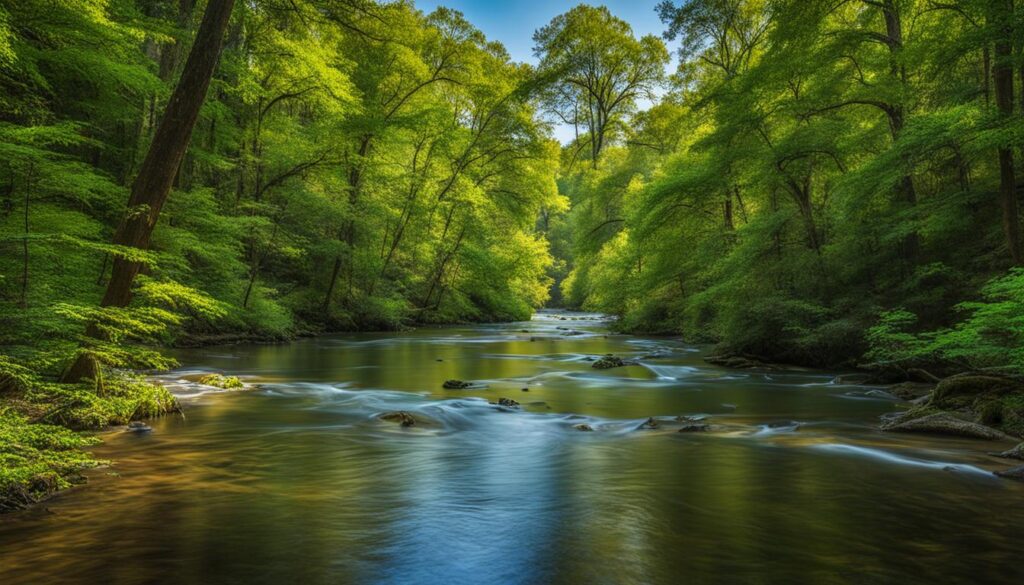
x=600 y=70
x=156 y=175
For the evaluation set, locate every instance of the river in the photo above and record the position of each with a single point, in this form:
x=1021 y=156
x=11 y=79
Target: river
x=298 y=481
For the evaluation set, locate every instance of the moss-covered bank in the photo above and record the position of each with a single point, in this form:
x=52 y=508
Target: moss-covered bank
x=45 y=427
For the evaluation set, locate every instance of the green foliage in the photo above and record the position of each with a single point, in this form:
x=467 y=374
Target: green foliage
x=37 y=460
x=806 y=173
x=990 y=336
x=222 y=381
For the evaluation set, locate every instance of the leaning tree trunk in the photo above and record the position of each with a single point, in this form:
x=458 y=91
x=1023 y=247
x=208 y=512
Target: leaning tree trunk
x=1002 y=73
x=156 y=176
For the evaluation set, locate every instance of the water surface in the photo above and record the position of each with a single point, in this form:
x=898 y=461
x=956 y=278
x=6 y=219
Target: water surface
x=298 y=481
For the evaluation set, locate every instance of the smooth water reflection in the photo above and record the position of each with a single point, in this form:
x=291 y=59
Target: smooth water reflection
x=298 y=482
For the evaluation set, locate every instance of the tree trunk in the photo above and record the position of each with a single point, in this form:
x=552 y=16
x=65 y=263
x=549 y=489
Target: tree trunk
x=29 y=179
x=156 y=176
x=1002 y=73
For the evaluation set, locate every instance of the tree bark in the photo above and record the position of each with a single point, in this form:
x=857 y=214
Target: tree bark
x=156 y=176
x=1000 y=17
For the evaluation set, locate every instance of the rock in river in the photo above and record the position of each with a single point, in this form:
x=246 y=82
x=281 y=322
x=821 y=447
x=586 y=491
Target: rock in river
x=1012 y=473
x=1015 y=453
x=694 y=428
x=942 y=423
x=456 y=385
x=648 y=424
x=611 y=361
x=137 y=426
x=399 y=416
x=583 y=427
x=507 y=402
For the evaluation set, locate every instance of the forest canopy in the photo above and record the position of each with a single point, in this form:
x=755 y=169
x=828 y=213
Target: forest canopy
x=815 y=182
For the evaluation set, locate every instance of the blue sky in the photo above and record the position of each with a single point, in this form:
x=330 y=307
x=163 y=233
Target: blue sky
x=513 y=23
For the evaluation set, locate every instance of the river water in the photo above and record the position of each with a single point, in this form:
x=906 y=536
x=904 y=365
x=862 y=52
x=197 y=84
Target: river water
x=298 y=481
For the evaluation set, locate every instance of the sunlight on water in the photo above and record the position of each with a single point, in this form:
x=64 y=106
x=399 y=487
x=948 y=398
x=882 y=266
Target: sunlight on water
x=299 y=481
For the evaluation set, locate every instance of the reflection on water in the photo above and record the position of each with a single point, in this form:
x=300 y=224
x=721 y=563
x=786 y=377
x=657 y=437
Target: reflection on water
x=299 y=482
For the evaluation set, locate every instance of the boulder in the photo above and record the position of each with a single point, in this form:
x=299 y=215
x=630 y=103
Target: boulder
x=1015 y=453
x=137 y=426
x=941 y=423
x=964 y=388
x=399 y=416
x=507 y=402
x=1012 y=473
x=583 y=427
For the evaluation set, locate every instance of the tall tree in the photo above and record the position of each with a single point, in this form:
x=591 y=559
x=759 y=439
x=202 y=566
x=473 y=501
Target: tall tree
x=601 y=69
x=1000 y=19
x=163 y=160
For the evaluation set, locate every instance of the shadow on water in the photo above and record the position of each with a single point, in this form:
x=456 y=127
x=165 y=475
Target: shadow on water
x=299 y=481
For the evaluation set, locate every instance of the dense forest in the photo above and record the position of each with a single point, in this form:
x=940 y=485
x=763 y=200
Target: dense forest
x=823 y=183
x=820 y=183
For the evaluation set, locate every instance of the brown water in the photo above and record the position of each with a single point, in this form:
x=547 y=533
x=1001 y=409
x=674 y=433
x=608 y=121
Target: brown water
x=299 y=482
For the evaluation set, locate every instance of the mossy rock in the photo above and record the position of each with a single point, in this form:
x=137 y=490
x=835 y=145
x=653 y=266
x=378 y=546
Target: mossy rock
x=610 y=361
x=910 y=390
x=1015 y=453
x=942 y=423
x=221 y=381
x=962 y=390
x=994 y=400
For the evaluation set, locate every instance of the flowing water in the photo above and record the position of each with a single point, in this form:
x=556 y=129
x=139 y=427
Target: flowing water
x=298 y=481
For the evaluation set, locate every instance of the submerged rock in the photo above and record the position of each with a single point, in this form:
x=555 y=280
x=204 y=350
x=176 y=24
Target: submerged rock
x=399 y=416
x=137 y=426
x=583 y=427
x=1015 y=453
x=941 y=423
x=694 y=428
x=456 y=385
x=648 y=424
x=507 y=402
x=611 y=361
x=1012 y=473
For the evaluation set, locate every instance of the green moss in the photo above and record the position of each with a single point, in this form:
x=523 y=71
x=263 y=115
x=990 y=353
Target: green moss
x=222 y=381
x=38 y=459
x=40 y=450
x=123 y=398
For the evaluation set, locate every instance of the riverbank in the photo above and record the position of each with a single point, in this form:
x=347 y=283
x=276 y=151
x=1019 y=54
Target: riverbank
x=45 y=427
